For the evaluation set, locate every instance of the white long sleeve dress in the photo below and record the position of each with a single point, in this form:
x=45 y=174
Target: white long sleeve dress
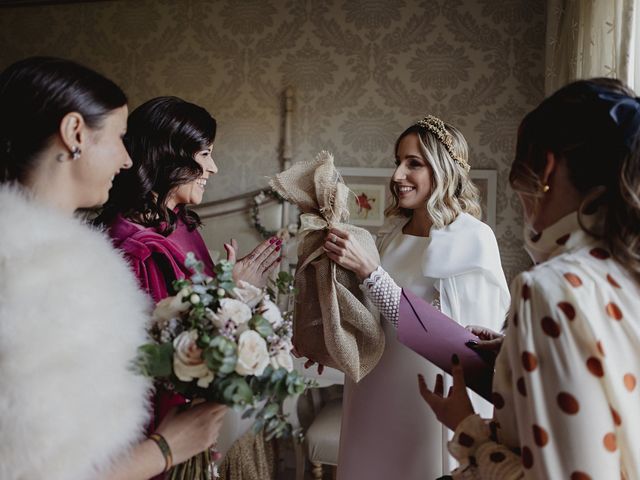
x=387 y=430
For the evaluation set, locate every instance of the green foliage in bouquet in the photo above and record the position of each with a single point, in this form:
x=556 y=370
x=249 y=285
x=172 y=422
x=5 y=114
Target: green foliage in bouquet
x=226 y=343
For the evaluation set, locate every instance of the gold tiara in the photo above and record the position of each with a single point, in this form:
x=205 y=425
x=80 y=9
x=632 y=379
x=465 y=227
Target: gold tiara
x=437 y=127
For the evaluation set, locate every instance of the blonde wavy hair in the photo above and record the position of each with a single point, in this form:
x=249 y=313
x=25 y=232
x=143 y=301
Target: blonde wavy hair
x=452 y=191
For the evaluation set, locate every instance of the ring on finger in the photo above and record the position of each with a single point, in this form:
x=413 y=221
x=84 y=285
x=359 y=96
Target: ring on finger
x=334 y=238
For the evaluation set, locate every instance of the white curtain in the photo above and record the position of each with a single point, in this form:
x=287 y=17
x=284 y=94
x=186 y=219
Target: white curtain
x=592 y=38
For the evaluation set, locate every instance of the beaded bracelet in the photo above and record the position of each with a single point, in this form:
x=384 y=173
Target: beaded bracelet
x=164 y=448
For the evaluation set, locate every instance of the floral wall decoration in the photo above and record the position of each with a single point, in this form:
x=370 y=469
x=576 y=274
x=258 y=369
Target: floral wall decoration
x=362 y=71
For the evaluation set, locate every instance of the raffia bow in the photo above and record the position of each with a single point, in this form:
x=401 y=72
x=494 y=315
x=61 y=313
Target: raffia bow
x=310 y=222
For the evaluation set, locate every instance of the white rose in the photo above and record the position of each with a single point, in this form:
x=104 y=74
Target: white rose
x=271 y=313
x=253 y=356
x=247 y=293
x=231 y=309
x=187 y=360
x=171 y=307
x=282 y=359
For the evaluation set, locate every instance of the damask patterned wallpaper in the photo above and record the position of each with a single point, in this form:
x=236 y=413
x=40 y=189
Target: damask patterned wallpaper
x=362 y=71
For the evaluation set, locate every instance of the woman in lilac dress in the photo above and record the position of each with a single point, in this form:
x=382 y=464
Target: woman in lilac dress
x=171 y=144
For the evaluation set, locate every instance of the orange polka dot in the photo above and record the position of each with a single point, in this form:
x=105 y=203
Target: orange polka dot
x=595 y=366
x=611 y=280
x=497 y=457
x=610 y=442
x=567 y=309
x=563 y=239
x=630 y=381
x=465 y=440
x=599 y=347
x=522 y=387
x=527 y=458
x=529 y=361
x=600 y=253
x=573 y=279
x=580 y=476
x=568 y=403
x=616 y=416
x=540 y=436
x=526 y=292
x=497 y=400
x=613 y=311
x=550 y=327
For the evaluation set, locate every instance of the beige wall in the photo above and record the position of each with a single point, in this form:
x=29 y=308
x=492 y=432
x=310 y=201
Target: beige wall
x=362 y=70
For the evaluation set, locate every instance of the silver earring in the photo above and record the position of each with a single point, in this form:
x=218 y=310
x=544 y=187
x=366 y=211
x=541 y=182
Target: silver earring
x=75 y=153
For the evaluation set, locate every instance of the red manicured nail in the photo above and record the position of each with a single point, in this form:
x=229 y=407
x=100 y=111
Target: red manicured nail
x=278 y=248
x=279 y=259
x=272 y=239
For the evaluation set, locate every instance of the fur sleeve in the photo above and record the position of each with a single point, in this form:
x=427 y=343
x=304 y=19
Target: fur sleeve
x=71 y=320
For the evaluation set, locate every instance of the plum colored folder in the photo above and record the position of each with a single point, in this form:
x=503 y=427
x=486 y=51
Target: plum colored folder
x=436 y=337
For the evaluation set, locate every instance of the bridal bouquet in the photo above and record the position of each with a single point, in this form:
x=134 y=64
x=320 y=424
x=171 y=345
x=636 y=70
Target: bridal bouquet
x=225 y=343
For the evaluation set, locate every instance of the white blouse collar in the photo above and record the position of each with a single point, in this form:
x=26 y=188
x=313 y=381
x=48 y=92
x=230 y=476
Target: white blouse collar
x=567 y=234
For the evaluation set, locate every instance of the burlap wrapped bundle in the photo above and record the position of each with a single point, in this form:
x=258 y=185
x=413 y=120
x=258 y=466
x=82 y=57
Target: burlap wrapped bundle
x=334 y=323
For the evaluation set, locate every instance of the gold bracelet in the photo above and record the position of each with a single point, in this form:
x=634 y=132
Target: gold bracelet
x=164 y=448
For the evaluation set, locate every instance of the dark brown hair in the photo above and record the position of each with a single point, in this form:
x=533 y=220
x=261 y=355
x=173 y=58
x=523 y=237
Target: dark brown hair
x=163 y=136
x=592 y=125
x=35 y=95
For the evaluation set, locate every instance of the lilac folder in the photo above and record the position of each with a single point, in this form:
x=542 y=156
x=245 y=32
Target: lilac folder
x=436 y=337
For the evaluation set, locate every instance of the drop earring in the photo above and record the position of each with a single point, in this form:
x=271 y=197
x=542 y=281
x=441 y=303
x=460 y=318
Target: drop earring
x=545 y=188
x=75 y=153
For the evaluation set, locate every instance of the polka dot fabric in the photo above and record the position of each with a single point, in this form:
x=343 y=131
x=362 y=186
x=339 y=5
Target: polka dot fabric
x=566 y=379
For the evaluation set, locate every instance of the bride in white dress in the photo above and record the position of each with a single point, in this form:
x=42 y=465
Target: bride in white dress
x=434 y=245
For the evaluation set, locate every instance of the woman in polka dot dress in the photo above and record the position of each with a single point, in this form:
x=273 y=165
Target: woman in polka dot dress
x=567 y=403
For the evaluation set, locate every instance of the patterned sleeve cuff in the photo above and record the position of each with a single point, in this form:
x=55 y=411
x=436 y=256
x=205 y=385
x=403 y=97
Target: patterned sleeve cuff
x=384 y=293
x=472 y=432
x=480 y=456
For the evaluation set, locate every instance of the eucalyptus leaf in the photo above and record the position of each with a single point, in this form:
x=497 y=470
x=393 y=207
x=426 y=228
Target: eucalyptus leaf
x=261 y=325
x=248 y=413
x=270 y=410
x=156 y=360
x=258 y=425
x=235 y=390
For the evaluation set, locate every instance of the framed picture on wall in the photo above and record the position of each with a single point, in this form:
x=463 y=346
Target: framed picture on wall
x=371 y=194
